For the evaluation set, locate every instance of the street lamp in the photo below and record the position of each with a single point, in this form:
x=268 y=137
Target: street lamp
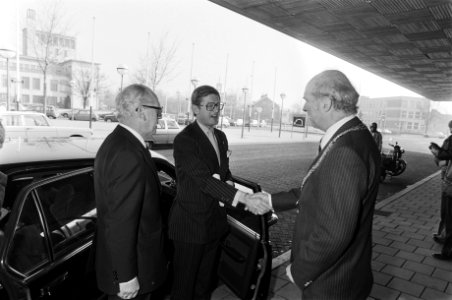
x=7 y=54
x=194 y=82
x=280 y=118
x=245 y=90
x=122 y=70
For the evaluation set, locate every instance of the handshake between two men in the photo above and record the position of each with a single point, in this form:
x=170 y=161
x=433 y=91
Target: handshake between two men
x=258 y=203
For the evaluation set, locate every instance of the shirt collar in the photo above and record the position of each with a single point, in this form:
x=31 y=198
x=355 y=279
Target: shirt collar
x=333 y=129
x=205 y=128
x=135 y=133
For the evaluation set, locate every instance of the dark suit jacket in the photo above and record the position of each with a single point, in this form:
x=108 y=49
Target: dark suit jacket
x=129 y=225
x=196 y=216
x=332 y=241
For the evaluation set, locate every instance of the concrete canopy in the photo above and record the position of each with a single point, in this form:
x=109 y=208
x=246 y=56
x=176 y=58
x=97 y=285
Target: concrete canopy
x=408 y=42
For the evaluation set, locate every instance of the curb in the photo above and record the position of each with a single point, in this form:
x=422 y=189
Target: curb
x=283 y=258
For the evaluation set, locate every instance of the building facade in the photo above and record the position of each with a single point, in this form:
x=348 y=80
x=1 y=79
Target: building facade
x=399 y=114
x=68 y=81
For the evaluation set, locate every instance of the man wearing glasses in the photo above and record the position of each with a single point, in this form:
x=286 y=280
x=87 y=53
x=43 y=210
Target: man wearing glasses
x=197 y=221
x=130 y=262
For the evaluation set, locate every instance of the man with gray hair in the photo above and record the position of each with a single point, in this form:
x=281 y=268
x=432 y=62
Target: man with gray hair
x=332 y=241
x=130 y=258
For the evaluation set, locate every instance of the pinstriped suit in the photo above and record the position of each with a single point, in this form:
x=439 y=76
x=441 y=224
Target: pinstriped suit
x=196 y=216
x=332 y=242
x=197 y=222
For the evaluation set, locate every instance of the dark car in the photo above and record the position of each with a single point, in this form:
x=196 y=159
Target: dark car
x=48 y=220
x=111 y=117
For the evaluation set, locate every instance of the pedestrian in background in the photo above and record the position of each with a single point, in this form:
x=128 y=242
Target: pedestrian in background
x=332 y=240
x=197 y=220
x=444 y=233
x=130 y=258
x=376 y=135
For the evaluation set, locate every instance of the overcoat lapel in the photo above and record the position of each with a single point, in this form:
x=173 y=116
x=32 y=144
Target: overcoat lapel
x=352 y=125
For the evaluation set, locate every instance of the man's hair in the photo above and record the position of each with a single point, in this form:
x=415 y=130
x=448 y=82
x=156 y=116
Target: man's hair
x=129 y=97
x=450 y=124
x=202 y=91
x=374 y=125
x=335 y=84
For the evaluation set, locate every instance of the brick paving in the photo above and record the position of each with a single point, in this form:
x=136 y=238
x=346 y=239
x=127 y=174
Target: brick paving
x=402 y=264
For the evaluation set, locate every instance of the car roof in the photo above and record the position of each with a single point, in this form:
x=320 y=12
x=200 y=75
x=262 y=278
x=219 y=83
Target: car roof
x=22 y=151
x=9 y=112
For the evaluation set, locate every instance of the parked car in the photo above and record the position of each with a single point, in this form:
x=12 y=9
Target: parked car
x=263 y=123
x=111 y=117
x=37 y=125
x=85 y=115
x=48 y=219
x=166 y=131
x=102 y=113
x=65 y=112
x=223 y=122
x=51 y=111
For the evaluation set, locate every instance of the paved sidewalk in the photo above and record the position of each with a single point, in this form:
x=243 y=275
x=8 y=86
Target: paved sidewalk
x=402 y=263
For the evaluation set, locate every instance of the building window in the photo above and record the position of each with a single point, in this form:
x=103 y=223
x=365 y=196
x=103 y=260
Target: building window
x=26 y=83
x=36 y=83
x=409 y=125
x=418 y=115
x=25 y=98
x=410 y=115
x=54 y=85
x=403 y=114
x=415 y=126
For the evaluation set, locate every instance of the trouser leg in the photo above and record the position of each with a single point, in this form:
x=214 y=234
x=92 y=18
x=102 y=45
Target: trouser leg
x=186 y=262
x=447 y=248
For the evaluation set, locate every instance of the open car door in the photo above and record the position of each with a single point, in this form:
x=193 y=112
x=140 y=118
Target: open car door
x=245 y=261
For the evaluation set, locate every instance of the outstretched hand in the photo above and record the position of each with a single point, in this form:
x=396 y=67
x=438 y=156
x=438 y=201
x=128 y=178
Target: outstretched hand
x=258 y=203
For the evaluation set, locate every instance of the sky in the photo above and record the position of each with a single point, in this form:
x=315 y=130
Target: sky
x=213 y=45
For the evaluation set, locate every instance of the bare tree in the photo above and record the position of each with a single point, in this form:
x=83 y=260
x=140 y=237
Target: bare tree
x=84 y=86
x=46 y=28
x=158 y=65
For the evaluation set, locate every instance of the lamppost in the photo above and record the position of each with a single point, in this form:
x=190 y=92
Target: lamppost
x=122 y=70
x=280 y=118
x=7 y=54
x=245 y=90
x=194 y=82
x=250 y=113
x=178 y=102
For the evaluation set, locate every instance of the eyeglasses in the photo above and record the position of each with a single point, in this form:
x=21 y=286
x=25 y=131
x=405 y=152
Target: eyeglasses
x=158 y=108
x=212 y=105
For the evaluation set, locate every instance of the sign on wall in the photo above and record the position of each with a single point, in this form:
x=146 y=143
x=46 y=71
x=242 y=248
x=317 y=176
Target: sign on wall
x=299 y=121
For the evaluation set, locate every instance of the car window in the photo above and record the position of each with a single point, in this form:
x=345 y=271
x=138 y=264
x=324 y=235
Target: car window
x=11 y=120
x=161 y=124
x=172 y=124
x=70 y=209
x=28 y=249
x=35 y=120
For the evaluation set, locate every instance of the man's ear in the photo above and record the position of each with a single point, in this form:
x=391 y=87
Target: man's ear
x=327 y=104
x=195 y=109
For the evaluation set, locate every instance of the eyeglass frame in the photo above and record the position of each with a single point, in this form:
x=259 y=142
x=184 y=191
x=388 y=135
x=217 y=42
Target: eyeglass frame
x=220 y=106
x=158 y=108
